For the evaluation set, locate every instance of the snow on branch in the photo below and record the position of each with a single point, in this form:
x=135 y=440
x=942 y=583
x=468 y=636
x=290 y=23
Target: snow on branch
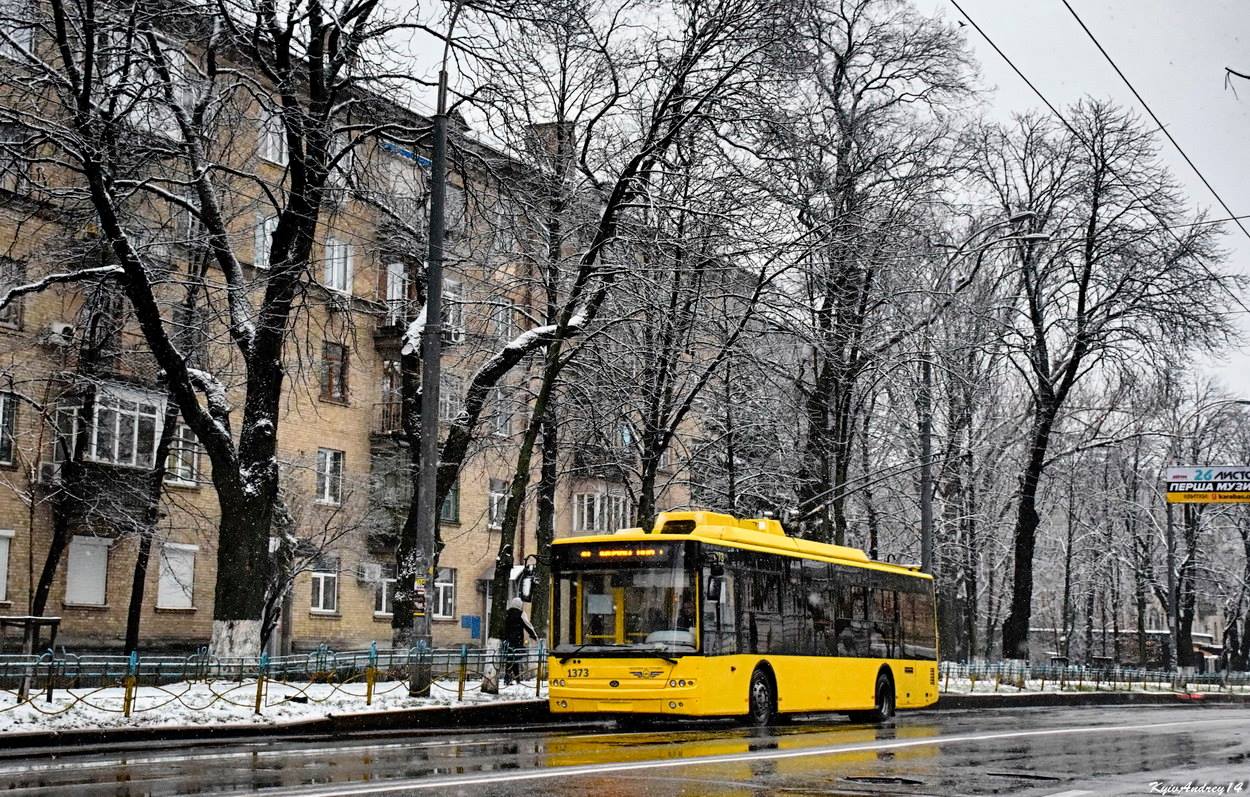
x=412 y=335
x=60 y=277
x=215 y=393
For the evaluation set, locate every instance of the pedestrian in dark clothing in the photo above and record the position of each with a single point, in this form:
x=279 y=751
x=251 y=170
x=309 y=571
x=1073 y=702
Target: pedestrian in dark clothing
x=515 y=627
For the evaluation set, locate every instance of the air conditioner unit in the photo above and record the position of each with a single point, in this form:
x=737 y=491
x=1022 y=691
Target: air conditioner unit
x=453 y=334
x=60 y=333
x=369 y=572
x=50 y=473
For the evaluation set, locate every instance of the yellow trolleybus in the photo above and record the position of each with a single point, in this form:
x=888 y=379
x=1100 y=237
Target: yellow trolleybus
x=710 y=615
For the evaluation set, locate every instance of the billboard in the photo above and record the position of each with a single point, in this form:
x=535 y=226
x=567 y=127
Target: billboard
x=1212 y=484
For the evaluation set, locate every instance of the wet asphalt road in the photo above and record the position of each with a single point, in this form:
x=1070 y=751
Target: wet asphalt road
x=1068 y=751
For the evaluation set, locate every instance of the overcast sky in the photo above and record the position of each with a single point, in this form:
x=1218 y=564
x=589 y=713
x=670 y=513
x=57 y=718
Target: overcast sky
x=1174 y=52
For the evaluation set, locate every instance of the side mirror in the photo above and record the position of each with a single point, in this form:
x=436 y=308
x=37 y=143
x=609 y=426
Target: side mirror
x=527 y=584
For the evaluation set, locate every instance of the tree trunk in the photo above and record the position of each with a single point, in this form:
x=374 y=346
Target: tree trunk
x=545 y=532
x=1016 y=626
x=147 y=527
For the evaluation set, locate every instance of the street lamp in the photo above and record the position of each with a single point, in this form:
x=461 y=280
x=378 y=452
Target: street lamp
x=926 y=375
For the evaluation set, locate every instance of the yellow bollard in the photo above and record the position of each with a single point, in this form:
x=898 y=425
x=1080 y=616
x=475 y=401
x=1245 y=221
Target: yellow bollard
x=128 y=697
x=260 y=691
x=464 y=666
x=371 y=677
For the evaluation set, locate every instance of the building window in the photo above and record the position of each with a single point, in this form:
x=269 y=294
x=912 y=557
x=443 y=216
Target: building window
x=586 y=512
x=329 y=476
x=175 y=586
x=338 y=271
x=497 y=503
x=333 y=372
x=601 y=512
x=272 y=137
x=266 y=226
x=503 y=318
x=453 y=313
x=126 y=428
x=8 y=427
x=325 y=585
x=182 y=466
x=615 y=512
x=384 y=594
x=450 y=396
x=5 y=536
x=450 y=510
x=86 y=576
x=12 y=274
x=501 y=420
x=444 y=594
x=17 y=30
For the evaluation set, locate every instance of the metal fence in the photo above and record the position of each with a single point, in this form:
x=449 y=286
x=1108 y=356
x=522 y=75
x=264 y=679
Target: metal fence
x=1022 y=676
x=54 y=683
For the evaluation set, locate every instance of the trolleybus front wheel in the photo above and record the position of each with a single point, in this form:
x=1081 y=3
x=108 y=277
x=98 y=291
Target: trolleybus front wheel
x=762 y=698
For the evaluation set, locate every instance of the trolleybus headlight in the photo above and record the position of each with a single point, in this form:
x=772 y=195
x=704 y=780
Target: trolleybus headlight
x=672 y=704
x=681 y=683
x=672 y=683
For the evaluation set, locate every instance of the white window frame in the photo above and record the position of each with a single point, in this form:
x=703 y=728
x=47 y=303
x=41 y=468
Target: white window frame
x=8 y=427
x=443 y=606
x=266 y=226
x=385 y=590
x=6 y=551
x=136 y=400
x=182 y=465
x=614 y=512
x=396 y=292
x=503 y=318
x=321 y=577
x=585 y=512
x=74 y=555
x=338 y=265
x=330 y=490
x=453 y=312
x=501 y=419
x=183 y=595
x=450 y=396
x=271 y=137
x=23 y=35
x=496 y=503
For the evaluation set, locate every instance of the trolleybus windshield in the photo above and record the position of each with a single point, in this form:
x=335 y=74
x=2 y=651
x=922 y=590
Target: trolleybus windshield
x=624 y=599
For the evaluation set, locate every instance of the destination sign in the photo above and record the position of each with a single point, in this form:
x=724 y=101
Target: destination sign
x=1222 y=484
x=618 y=553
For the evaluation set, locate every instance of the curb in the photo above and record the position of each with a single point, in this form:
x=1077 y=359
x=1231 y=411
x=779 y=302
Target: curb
x=1045 y=699
x=466 y=717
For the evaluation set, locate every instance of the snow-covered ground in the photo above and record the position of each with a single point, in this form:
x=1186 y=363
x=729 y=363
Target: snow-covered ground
x=225 y=702
x=963 y=686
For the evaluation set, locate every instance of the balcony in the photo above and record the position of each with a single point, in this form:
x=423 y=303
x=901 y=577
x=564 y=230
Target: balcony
x=388 y=419
x=122 y=356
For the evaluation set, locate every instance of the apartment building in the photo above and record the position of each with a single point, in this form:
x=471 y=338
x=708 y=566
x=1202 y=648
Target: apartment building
x=83 y=409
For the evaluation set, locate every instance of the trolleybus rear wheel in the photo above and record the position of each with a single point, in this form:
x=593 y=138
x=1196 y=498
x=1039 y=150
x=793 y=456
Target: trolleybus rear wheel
x=884 y=709
x=762 y=699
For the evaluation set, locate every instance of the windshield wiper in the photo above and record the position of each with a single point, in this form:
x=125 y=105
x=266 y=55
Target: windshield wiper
x=583 y=646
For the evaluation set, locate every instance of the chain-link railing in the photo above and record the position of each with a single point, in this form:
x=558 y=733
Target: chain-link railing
x=1019 y=676
x=56 y=683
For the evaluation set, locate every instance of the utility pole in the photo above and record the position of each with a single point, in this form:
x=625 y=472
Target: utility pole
x=431 y=368
x=925 y=408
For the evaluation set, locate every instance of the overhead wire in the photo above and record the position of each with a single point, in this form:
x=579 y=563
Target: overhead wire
x=1163 y=128
x=1081 y=138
